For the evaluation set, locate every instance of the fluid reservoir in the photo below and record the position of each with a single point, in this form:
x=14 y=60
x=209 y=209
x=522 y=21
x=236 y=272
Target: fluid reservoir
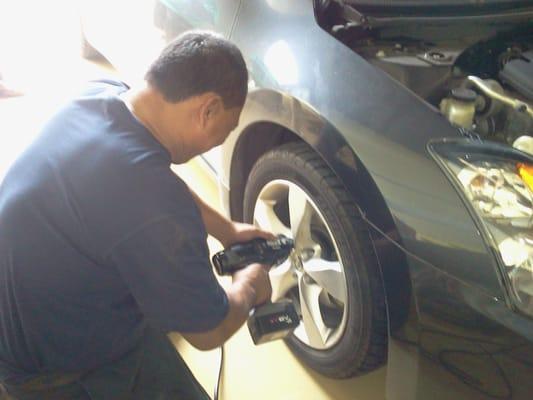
x=460 y=107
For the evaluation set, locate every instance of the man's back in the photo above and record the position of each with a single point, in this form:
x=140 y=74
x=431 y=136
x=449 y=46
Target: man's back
x=71 y=208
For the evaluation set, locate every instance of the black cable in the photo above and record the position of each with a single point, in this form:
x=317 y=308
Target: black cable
x=219 y=379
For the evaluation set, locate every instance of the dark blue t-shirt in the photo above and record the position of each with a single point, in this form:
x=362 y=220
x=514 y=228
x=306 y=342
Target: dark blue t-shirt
x=97 y=238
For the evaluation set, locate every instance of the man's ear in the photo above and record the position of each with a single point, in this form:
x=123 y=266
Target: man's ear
x=211 y=107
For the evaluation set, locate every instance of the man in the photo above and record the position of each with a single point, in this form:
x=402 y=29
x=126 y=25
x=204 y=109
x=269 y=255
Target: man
x=103 y=249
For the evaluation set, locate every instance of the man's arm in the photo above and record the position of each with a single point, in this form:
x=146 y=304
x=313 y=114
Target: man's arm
x=215 y=223
x=250 y=287
x=225 y=230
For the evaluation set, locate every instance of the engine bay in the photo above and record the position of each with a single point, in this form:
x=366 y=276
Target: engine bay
x=479 y=75
x=490 y=91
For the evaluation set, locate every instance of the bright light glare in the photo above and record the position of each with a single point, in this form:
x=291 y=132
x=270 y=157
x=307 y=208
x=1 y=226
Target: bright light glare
x=39 y=56
x=39 y=43
x=281 y=63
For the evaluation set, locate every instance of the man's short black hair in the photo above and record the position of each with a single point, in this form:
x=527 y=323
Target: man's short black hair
x=197 y=62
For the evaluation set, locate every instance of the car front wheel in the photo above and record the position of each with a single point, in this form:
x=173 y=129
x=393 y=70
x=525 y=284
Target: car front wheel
x=332 y=277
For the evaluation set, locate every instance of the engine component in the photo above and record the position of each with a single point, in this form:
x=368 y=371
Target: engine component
x=460 y=107
x=499 y=115
x=525 y=144
x=516 y=104
x=487 y=106
x=518 y=73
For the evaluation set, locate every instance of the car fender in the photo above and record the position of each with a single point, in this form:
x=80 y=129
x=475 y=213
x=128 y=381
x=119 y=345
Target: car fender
x=271 y=118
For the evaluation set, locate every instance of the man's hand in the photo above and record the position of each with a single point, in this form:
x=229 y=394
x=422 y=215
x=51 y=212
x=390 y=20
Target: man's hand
x=251 y=287
x=240 y=232
x=256 y=276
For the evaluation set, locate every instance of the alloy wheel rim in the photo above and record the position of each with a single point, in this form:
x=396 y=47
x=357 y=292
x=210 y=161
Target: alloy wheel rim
x=313 y=276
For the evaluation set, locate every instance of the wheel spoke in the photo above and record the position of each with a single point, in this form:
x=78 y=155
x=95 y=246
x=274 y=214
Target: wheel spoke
x=314 y=326
x=285 y=207
x=282 y=278
x=300 y=212
x=328 y=275
x=266 y=218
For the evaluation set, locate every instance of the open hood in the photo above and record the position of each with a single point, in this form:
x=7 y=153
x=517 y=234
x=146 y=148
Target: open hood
x=376 y=13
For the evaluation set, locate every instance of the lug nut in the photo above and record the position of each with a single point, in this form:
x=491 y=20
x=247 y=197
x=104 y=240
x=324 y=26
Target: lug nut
x=307 y=254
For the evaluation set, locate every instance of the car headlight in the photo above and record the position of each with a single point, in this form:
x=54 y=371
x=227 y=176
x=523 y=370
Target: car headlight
x=497 y=183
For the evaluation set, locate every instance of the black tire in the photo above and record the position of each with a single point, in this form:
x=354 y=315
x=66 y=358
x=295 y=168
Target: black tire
x=363 y=344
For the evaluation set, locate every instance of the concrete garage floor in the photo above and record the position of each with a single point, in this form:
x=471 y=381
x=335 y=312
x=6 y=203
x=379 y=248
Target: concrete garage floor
x=39 y=55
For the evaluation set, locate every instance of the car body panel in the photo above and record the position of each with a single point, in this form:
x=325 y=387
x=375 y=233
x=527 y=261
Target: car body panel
x=379 y=121
x=458 y=343
x=358 y=118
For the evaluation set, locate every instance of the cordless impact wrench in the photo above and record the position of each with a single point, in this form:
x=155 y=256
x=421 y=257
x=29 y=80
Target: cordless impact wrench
x=272 y=320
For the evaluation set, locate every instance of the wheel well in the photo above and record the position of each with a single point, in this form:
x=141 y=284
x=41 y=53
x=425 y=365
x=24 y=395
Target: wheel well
x=261 y=137
x=255 y=141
